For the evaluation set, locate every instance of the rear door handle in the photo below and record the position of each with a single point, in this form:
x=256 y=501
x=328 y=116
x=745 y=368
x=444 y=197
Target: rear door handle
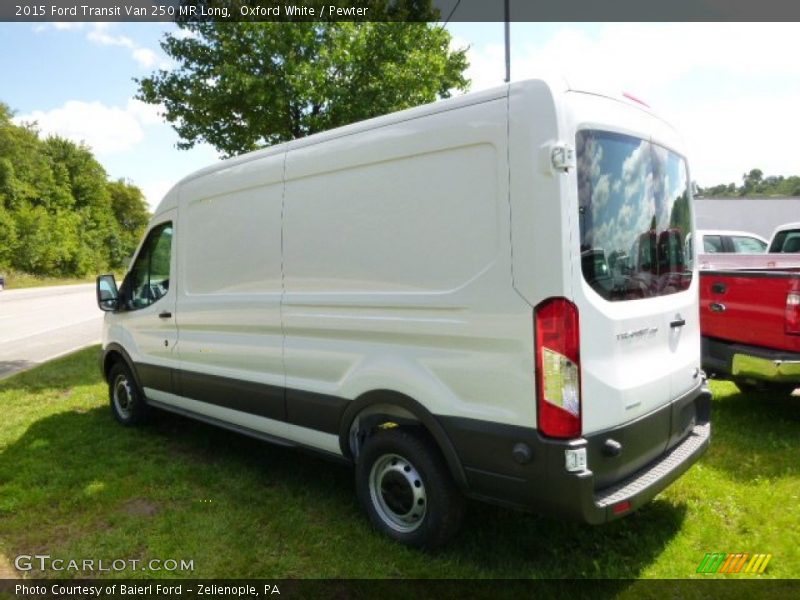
x=677 y=323
x=165 y=315
x=716 y=307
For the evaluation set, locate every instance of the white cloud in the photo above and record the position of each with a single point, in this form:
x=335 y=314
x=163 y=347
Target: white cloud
x=601 y=192
x=99 y=35
x=102 y=34
x=146 y=114
x=183 y=34
x=145 y=57
x=728 y=137
x=65 y=26
x=652 y=57
x=105 y=129
x=733 y=123
x=154 y=191
x=486 y=66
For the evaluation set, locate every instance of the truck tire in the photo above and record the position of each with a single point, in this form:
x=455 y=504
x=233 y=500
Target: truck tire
x=748 y=386
x=785 y=389
x=127 y=400
x=406 y=489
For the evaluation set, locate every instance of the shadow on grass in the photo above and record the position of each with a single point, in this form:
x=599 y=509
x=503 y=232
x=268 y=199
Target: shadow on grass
x=75 y=369
x=76 y=481
x=755 y=435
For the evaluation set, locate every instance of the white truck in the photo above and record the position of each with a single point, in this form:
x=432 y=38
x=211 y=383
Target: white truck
x=408 y=294
x=785 y=239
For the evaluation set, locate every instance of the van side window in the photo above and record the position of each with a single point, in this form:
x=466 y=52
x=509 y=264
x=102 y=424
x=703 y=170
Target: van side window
x=148 y=280
x=747 y=245
x=712 y=244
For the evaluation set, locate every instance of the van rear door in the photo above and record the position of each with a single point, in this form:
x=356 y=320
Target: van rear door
x=639 y=326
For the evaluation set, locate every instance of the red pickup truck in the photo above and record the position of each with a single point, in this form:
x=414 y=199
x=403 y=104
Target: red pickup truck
x=750 y=319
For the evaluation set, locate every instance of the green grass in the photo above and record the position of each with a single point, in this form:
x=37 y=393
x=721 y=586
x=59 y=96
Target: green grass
x=17 y=280
x=73 y=483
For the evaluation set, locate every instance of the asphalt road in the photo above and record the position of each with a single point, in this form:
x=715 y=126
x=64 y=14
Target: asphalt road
x=38 y=324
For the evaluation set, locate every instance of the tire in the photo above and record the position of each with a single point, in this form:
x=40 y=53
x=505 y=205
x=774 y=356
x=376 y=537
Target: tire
x=785 y=389
x=127 y=401
x=406 y=489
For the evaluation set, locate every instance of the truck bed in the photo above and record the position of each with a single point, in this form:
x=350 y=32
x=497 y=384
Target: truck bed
x=743 y=321
x=748 y=307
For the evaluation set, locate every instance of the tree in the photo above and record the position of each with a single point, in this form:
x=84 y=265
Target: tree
x=59 y=214
x=241 y=86
x=752 y=180
x=130 y=212
x=754 y=183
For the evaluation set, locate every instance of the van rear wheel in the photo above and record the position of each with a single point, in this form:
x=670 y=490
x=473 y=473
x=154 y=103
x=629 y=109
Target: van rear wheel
x=127 y=401
x=406 y=488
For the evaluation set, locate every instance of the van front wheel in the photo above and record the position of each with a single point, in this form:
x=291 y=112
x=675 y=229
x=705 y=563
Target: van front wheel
x=406 y=489
x=127 y=401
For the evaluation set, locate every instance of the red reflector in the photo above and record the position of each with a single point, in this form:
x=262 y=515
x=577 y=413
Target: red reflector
x=635 y=99
x=621 y=507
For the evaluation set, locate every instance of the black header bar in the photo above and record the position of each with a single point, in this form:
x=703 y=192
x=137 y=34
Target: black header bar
x=397 y=10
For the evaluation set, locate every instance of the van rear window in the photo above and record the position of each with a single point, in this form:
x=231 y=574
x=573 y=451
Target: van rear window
x=634 y=216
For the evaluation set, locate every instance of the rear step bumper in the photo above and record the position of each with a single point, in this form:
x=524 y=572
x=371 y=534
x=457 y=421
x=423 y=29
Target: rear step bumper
x=643 y=485
x=498 y=471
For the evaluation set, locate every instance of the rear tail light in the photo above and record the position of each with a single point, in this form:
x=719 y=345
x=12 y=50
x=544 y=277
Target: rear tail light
x=558 y=382
x=793 y=313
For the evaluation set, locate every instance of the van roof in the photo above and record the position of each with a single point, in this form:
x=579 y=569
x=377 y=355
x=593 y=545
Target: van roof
x=375 y=122
x=553 y=82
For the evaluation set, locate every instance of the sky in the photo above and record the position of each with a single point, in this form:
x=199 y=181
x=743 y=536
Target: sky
x=732 y=90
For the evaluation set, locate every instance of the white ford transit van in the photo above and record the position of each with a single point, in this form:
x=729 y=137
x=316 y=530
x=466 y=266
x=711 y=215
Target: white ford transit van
x=482 y=297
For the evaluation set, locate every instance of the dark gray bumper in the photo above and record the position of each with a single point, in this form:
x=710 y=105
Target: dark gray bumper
x=653 y=451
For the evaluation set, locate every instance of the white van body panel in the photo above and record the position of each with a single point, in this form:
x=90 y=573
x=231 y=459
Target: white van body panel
x=541 y=225
x=394 y=261
x=229 y=274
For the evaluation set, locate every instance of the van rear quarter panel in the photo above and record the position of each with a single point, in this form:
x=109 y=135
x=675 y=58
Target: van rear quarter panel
x=397 y=267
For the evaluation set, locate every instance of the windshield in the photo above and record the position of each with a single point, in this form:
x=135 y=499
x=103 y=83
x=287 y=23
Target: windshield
x=634 y=216
x=786 y=241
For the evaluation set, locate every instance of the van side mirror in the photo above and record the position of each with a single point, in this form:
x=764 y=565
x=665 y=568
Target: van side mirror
x=107 y=293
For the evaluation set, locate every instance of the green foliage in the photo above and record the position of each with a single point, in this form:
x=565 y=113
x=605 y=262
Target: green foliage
x=680 y=217
x=241 y=86
x=753 y=184
x=59 y=214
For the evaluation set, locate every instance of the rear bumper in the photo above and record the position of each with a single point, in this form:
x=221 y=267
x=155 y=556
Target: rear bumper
x=751 y=362
x=609 y=487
